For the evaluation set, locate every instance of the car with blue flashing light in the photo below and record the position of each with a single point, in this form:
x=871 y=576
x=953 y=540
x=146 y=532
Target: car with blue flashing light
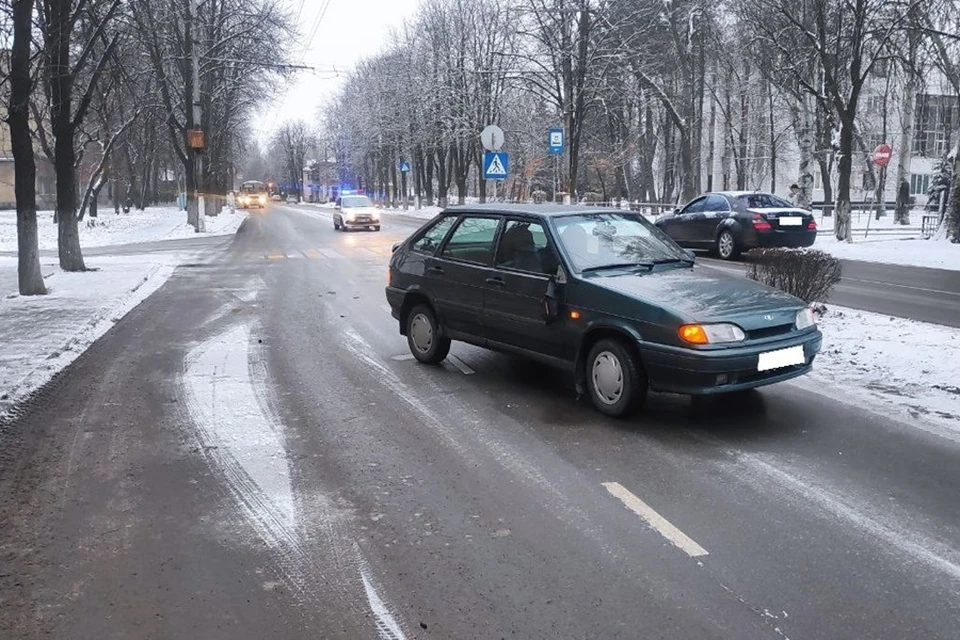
x=733 y=222
x=355 y=211
x=602 y=294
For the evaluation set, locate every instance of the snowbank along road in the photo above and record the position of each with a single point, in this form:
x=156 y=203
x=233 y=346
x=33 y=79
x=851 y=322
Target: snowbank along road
x=250 y=453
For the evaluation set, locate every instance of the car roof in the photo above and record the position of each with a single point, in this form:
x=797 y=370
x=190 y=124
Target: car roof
x=540 y=210
x=737 y=194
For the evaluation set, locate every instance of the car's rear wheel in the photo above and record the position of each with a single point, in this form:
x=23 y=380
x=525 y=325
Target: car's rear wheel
x=727 y=247
x=376 y=228
x=615 y=379
x=424 y=337
x=336 y=225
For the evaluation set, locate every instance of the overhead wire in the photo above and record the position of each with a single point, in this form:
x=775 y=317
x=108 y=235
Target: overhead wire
x=313 y=29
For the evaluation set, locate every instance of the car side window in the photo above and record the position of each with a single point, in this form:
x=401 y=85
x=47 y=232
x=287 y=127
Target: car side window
x=430 y=240
x=525 y=246
x=716 y=203
x=472 y=240
x=694 y=207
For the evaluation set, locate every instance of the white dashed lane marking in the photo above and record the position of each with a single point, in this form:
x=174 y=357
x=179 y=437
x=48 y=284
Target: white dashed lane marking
x=655 y=520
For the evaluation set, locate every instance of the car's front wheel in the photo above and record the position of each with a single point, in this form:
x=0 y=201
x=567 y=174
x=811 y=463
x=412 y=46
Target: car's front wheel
x=423 y=336
x=615 y=379
x=336 y=225
x=727 y=245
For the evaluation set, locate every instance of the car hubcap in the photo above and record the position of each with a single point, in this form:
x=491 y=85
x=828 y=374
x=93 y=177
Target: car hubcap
x=422 y=333
x=726 y=245
x=608 y=377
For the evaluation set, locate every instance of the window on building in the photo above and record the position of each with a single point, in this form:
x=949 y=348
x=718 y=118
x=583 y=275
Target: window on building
x=919 y=183
x=936 y=116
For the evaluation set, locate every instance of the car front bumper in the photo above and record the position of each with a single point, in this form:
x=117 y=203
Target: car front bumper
x=366 y=222
x=705 y=372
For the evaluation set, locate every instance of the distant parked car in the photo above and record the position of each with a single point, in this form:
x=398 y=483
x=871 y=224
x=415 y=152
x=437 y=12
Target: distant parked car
x=731 y=222
x=291 y=199
x=276 y=197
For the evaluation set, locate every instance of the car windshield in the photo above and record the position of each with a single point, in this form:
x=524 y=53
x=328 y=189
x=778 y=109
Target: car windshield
x=765 y=201
x=355 y=202
x=598 y=240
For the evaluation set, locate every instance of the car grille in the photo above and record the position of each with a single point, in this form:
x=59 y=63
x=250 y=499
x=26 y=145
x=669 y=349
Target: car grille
x=769 y=332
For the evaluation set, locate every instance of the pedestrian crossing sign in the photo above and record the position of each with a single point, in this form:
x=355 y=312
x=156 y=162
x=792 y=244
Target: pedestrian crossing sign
x=495 y=165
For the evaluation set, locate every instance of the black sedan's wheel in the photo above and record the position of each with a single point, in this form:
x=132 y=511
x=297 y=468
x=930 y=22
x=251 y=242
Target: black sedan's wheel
x=615 y=378
x=727 y=247
x=423 y=336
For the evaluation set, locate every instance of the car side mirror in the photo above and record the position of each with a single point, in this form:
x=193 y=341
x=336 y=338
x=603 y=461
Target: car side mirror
x=691 y=255
x=676 y=211
x=396 y=245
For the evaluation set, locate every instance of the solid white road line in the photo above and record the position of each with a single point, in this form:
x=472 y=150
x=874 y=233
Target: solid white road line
x=460 y=364
x=655 y=520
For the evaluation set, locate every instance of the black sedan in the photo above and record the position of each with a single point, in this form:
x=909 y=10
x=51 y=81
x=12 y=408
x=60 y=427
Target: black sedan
x=731 y=222
x=602 y=294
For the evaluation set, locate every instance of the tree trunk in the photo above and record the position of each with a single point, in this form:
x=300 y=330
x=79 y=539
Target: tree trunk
x=906 y=143
x=953 y=212
x=842 y=225
x=806 y=141
x=61 y=92
x=29 y=276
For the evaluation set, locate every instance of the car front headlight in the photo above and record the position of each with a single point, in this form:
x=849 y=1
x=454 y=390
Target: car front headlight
x=711 y=333
x=805 y=319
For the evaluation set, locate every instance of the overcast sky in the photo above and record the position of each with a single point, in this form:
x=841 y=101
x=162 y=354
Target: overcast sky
x=348 y=31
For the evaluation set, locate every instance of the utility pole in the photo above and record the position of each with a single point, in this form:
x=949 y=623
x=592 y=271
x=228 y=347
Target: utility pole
x=195 y=134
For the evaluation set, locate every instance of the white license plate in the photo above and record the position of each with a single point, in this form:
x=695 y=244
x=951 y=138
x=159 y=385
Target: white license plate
x=791 y=222
x=780 y=359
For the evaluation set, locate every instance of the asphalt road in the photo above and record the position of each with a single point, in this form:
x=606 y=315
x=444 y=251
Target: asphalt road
x=251 y=453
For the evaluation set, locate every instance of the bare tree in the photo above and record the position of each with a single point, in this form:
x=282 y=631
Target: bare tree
x=29 y=277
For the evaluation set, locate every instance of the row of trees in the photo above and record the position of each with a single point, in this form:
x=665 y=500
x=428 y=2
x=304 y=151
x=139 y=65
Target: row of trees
x=655 y=97
x=105 y=90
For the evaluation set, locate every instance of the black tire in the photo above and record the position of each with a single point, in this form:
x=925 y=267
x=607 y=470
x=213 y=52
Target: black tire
x=608 y=361
x=424 y=336
x=336 y=225
x=376 y=228
x=727 y=246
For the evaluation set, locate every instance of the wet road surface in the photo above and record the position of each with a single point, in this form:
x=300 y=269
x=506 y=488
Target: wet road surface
x=252 y=453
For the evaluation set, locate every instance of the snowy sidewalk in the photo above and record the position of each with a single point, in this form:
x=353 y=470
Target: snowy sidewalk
x=151 y=225
x=40 y=335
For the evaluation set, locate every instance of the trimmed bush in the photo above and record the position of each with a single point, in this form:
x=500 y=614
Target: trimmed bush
x=808 y=275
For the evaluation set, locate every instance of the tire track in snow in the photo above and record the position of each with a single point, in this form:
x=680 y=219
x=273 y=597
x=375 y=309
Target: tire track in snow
x=227 y=395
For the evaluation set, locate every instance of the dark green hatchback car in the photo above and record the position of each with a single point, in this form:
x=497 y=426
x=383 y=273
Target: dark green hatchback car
x=601 y=293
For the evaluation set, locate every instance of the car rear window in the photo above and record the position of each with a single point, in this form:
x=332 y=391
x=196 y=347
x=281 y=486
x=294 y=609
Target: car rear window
x=765 y=201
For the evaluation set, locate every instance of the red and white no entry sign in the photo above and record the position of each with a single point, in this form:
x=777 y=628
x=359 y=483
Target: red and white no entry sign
x=881 y=155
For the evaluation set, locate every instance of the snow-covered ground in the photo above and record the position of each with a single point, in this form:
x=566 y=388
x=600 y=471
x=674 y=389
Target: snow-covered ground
x=913 y=252
x=156 y=223
x=40 y=335
x=895 y=367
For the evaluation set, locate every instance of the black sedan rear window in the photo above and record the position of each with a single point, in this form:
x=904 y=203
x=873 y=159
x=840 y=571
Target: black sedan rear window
x=765 y=201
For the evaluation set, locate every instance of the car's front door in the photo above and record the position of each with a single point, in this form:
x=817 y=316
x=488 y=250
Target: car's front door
x=682 y=228
x=457 y=274
x=514 y=292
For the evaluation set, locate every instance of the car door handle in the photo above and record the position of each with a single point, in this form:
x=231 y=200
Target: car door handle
x=500 y=282
x=434 y=269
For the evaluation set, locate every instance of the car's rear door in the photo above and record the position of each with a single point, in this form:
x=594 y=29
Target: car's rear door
x=703 y=229
x=513 y=294
x=457 y=273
